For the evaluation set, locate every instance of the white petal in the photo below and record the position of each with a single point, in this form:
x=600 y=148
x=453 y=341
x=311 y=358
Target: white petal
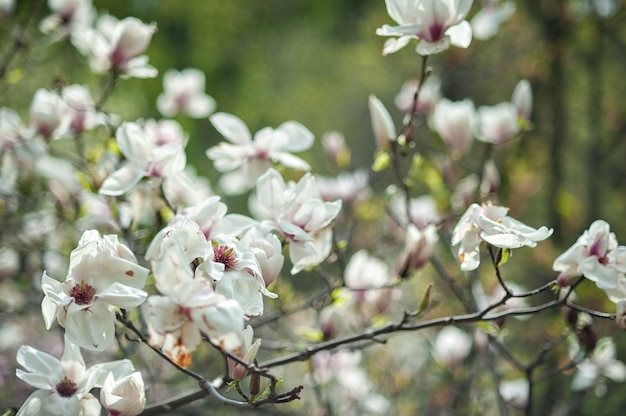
x=232 y=128
x=122 y=180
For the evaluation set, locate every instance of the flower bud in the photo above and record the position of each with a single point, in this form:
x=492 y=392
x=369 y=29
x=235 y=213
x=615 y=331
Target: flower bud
x=620 y=314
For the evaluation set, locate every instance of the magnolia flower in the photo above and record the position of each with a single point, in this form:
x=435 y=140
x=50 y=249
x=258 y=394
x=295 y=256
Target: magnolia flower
x=187 y=188
x=492 y=224
x=429 y=94
x=455 y=122
x=11 y=128
x=81 y=109
x=64 y=385
x=451 y=346
x=497 y=124
x=6 y=8
x=602 y=364
x=247 y=352
x=267 y=250
x=67 y=16
x=103 y=274
x=487 y=21
x=515 y=391
x=596 y=256
x=246 y=160
x=347 y=186
x=298 y=213
x=382 y=123
x=365 y=272
x=49 y=116
x=124 y=396
x=437 y=24
x=184 y=94
x=189 y=306
x=419 y=246
x=236 y=272
x=334 y=145
x=147 y=154
x=466 y=188
x=423 y=210
x=523 y=100
x=117 y=46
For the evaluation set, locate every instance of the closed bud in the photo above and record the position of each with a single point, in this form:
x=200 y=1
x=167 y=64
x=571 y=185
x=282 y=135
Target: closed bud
x=620 y=314
x=570 y=315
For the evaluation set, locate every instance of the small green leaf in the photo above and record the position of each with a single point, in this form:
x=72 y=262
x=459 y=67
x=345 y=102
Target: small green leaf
x=310 y=334
x=381 y=160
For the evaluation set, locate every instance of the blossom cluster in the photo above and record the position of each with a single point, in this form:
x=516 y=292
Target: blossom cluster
x=150 y=240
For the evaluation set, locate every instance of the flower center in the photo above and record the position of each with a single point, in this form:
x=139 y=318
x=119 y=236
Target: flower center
x=83 y=293
x=66 y=387
x=226 y=256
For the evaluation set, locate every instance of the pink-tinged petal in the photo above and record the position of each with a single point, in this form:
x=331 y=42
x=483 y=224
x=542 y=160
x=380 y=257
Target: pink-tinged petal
x=124 y=396
x=122 y=180
x=606 y=278
x=227 y=157
x=122 y=296
x=71 y=353
x=523 y=99
x=138 y=68
x=42 y=369
x=232 y=128
x=426 y=48
x=91 y=326
x=300 y=138
x=117 y=369
x=310 y=253
x=133 y=143
x=460 y=35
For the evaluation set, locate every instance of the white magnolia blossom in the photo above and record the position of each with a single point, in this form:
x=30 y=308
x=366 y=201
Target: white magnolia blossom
x=81 y=109
x=487 y=21
x=6 y=8
x=437 y=24
x=103 y=274
x=334 y=145
x=597 y=256
x=522 y=98
x=515 y=392
x=117 y=45
x=364 y=271
x=244 y=160
x=297 y=212
x=419 y=246
x=184 y=94
x=347 y=186
x=455 y=123
x=451 y=346
x=187 y=188
x=49 y=115
x=429 y=94
x=497 y=124
x=64 y=384
x=600 y=365
x=67 y=16
x=267 y=249
x=148 y=152
x=465 y=190
x=382 y=123
x=247 y=352
x=423 y=209
x=123 y=396
x=491 y=223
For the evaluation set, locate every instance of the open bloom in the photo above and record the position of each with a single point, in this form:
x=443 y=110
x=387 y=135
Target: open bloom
x=67 y=16
x=298 y=213
x=596 y=256
x=436 y=23
x=49 y=115
x=429 y=94
x=103 y=274
x=491 y=223
x=451 y=346
x=602 y=364
x=365 y=272
x=64 y=384
x=147 y=153
x=419 y=246
x=118 y=46
x=246 y=160
x=81 y=109
x=455 y=121
x=497 y=124
x=184 y=94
